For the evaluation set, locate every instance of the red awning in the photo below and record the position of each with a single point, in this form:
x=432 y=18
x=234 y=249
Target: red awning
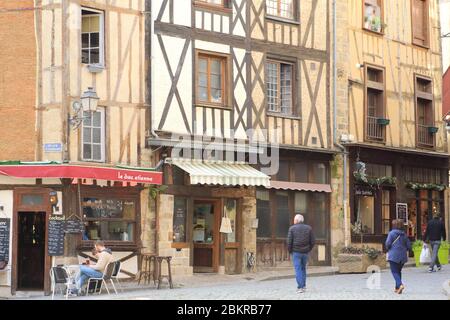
x=297 y=186
x=81 y=172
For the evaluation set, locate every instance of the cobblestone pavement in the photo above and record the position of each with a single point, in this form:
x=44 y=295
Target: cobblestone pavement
x=419 y=285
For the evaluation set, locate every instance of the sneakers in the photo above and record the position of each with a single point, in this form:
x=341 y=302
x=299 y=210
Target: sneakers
x=431 y=270
x=301 y=290
x=439 y=268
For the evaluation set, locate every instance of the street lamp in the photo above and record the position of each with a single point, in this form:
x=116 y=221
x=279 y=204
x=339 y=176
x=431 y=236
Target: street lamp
x=88 y=103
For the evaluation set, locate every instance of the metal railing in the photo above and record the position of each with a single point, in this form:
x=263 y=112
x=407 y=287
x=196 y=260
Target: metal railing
x=375 y=131
x=424 y=137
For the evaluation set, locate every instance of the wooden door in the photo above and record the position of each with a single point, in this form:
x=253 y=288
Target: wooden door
x=205 y=235
x=33 y=201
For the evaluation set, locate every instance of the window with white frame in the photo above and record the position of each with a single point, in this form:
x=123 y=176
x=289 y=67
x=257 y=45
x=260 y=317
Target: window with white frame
x=279 y=87
x=281 y=8
x=93 y=136
x=92 y=36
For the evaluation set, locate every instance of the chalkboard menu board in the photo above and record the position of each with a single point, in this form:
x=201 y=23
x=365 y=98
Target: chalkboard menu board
x=56 y=237
x=402 y=212
x=5 y=225
x=179 y=220
x=74 y=226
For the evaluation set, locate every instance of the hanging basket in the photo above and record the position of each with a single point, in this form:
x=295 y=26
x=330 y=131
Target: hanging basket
x=383 y=121
x=433 y=130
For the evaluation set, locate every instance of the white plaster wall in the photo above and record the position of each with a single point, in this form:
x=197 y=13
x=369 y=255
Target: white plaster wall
x=7 y=200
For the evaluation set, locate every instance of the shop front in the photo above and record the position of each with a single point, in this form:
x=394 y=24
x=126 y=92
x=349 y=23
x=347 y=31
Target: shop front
x=57 y=212
x=191 y=214
x=398 y=185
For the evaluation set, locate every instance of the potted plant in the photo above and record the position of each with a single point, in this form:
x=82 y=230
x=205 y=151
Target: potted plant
x=383 y=121
x=417 y=249
x=433 y=129
x=443 y=252
x=358 y=260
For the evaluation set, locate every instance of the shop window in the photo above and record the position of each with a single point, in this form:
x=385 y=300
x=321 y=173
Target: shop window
x=283 y=218
x=179 y=220
x=203 y=223
x=280 y=78
x=109 y=219
x=93 y=136
x=283 y=171
x=366 y=210
x=281 y=8
x=231 y=211
x=420 y=17
x=318 y=210
x=263 y=214
x=92 y=36
x=373 y=19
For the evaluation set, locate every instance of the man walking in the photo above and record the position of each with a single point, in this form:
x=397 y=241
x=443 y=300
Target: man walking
x=300 y=243
x=435 y=233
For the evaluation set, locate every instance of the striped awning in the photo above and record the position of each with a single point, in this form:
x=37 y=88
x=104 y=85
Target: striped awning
x=296 y=186
x=225 y=173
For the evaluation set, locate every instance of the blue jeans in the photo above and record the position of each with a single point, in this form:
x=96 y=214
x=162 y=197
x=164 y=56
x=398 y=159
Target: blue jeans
x=396 y=269
x=300 y=261
x=435 y=245
x=86 y=273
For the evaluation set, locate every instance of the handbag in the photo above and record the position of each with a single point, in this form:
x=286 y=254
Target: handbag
x=3 y=264
x=425 y=256
x=387 y=253
x=225 y=225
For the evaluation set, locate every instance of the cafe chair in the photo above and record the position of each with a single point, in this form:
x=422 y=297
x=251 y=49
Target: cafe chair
x=115 y=275
x=93 y=283
x=60 y=280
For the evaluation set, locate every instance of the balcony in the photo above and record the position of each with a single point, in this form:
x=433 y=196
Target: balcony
x=375 y=129
x=425 y=137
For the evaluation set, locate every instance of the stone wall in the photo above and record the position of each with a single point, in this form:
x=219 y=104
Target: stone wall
x=248 y=233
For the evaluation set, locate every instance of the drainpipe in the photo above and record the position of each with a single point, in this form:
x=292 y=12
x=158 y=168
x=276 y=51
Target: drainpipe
x=335 y=139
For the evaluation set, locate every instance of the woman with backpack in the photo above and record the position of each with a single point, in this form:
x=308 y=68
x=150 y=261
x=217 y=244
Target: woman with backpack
x=397 y=245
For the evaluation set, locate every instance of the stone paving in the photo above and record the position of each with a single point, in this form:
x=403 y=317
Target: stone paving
x=420 y=285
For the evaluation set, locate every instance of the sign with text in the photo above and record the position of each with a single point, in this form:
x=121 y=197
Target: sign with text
x=74 y=226
x=402 y=212
x=5 y=225
x=56 y=236
x=52 y=147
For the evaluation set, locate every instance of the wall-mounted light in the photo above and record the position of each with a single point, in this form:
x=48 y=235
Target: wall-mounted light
x=360 y=65
x=88 y=103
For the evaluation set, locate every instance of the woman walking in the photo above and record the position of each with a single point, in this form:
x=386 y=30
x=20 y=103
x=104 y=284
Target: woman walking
x=397 y=245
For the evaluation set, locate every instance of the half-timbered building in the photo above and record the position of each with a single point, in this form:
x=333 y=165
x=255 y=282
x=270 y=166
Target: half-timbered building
x=389 y=62
x=62 y=159
x=245 y=75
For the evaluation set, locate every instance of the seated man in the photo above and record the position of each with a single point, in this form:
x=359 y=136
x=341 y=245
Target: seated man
x=104 y=257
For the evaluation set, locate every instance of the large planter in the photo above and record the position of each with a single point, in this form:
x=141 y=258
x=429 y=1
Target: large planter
x=443 y=254
x=359 y=263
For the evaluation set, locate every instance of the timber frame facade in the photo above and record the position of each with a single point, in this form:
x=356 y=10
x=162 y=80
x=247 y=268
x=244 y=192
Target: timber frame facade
x=257 y=48
x=390 y=68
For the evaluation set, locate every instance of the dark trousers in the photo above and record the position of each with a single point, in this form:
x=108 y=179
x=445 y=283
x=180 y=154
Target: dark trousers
x=396 y=269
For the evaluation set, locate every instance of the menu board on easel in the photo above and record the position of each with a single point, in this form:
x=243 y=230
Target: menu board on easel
x=402 y=212
x=74 y=226
x=5 y=224
x=56 y=236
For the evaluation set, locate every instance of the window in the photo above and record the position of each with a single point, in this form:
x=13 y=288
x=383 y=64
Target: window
x=218 y=3
x=280 y=87
x=373 y=19
x=179 y=220
x=378 y=170
x=420 y=22
x=92 y=37
x=212 y=80
x=422 y=175
x=318 y=173
x=281 y=8
x=312 y=171
x=301 y=172
x=318 y=213
x=386 y=211
x=283 y=220
x=424 y=112
x=263 y=214
x=283 y=171
x=375 y=102
x=109 y=218
x=366 y=211
x=93 y=136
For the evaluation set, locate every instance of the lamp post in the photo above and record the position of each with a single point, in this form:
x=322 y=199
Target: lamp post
x=88 y=103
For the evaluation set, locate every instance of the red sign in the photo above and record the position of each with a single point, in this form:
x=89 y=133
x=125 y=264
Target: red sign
x=81 y=172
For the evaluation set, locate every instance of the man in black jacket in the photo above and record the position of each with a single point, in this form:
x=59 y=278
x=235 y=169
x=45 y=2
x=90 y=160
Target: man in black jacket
x=300 y=243
x=435 y=233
